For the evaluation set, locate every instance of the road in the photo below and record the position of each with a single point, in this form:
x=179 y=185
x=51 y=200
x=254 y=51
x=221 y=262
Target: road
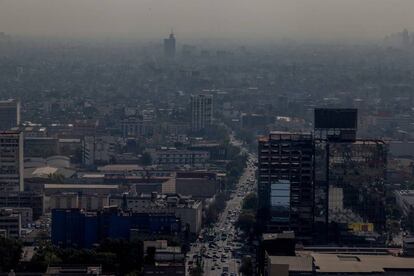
x=221 y=247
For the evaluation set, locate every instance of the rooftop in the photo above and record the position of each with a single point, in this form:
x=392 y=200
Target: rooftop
x=80 y=186
x=284 y=235
x=284 y=135
x=344 y=263
x=407 y=196
x=120 y=168
x=296 y=263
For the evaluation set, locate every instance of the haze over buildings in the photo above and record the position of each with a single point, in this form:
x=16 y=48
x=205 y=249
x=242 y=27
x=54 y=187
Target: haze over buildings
x=234 y=19
x=259 y=138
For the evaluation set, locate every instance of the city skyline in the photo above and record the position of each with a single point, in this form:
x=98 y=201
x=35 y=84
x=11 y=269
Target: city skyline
x=238 y=19
x=220 y=138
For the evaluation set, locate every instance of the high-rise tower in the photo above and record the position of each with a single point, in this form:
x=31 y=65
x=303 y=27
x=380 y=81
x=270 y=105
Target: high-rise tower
x=350 y=174
x=201 y=111
x=285 y=183
x=9 y=114
x=11 y=161
x=169 y=46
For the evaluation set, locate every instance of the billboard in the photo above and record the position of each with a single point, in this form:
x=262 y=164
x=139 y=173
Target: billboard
x=339 y=118
x=361 y=227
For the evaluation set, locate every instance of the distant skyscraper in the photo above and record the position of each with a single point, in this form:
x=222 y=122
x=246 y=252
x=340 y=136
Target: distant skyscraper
x=201 y=111
x=11 y=161
x=285 y=183
x=405 y=38
x=169 y=46
x=9 y=114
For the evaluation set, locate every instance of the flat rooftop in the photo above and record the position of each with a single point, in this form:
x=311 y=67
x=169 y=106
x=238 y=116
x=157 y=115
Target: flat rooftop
x=285 y=135
x=350 y=263
x=296 y=263
x=120 y=168
x=80 y=186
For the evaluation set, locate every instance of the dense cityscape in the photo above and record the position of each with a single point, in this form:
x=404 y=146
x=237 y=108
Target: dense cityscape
x=179 y=158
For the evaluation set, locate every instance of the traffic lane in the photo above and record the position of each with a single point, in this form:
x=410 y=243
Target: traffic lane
x=234 y=204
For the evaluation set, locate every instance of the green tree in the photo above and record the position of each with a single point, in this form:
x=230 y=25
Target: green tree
x=43 y=257
x=215 y=208
x=10 y=253
x=246 y=267
x=116 y=256
x=129 y=254
x=198 y=269
x=246 y=220
x=56 y=178
x=150 y=257
x=146 y=159
x=250 y=202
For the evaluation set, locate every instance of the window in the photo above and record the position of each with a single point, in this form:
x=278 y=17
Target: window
x=280 y=200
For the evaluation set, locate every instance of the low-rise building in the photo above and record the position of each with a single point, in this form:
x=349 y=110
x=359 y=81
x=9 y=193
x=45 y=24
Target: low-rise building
x=339 y=261
x=11 y=224
x=168 y=260
x=79 y=270
x=25 y=213
x=32 y=200
x=405 y=202
x=76 y=228
x=177 y=157
x=289 y=265
x=361 y=264
x=88 y=202
x=188 y=210
x=98 y=149
x=41 y=146
x=199 y=185
x=102 y=189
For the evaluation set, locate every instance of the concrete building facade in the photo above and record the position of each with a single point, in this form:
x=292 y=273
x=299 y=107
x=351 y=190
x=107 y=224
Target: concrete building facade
x=285 y=182
x=11 y=161
x=9 y=114
x=201 y=111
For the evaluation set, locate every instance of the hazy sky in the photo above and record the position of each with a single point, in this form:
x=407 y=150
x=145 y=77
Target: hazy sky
x=234 y=19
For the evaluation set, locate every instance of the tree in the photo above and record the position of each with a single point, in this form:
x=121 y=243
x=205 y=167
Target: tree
x=246 y=135
x=43 y=257
x=129 y=254
x=246 y=220
x=235 y=167
x=220 y=201
x=246 y=267
x=56 y=177
x=198 y=270
x=10 y=253
x=250 y=202
x=215 y=208
x=146 y=159
x=116 y=256
x=150 y=258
